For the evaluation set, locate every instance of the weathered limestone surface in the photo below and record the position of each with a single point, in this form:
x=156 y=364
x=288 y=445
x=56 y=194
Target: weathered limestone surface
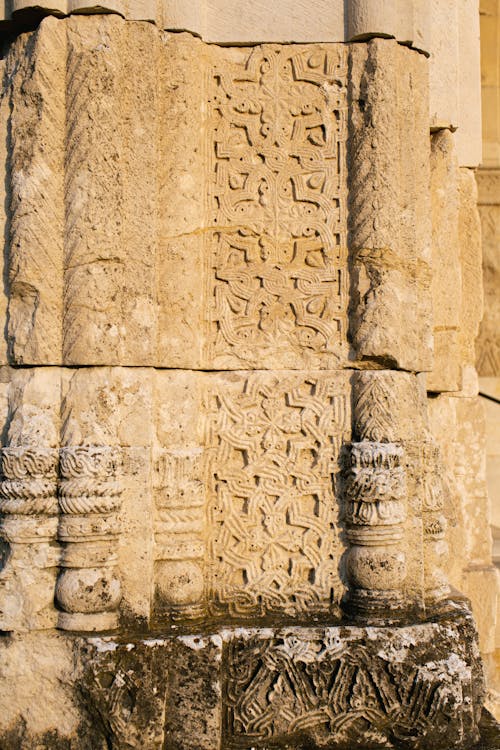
x=490 y=82
x=457 y=295
x=255 y=276
x=488 y=354
x=280 y=687
x=446 y=30
x=217 y=443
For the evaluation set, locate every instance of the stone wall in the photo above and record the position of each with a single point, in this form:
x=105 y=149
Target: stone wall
x=242 y=452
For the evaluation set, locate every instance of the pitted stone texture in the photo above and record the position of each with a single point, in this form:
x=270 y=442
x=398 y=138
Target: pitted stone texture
x=35 y=665
x=244 y=263
x=334 y=688
x=330 y=687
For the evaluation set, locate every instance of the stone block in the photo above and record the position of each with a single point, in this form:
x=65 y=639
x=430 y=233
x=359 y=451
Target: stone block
x=35 y=665
x=349 y=687
x=194 y=697
x=245 y=262
x=123 y=683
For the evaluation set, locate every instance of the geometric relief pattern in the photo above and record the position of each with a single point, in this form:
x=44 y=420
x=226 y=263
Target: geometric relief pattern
x=333 y=691
x=273 y=518
x=277 y=205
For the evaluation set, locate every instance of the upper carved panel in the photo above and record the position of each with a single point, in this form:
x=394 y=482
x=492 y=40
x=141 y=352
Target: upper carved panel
x=277 y=191
x=239 y=162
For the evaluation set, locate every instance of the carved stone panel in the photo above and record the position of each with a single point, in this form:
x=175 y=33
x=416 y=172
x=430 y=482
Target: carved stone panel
x=274 y=445
x=405 y=688
x=247 y=166
x=277 y=202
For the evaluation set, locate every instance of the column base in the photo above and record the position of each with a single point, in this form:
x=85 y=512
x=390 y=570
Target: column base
x=410 y=687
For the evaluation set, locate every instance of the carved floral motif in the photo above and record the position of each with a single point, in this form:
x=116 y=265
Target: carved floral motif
x=376 y=484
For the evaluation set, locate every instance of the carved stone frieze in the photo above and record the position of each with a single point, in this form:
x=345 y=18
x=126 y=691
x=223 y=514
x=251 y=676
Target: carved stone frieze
x=257 y=171
x=350 y=687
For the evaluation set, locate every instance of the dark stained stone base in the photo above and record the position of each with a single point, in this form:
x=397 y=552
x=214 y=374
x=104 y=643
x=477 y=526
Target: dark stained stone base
x=414 y=687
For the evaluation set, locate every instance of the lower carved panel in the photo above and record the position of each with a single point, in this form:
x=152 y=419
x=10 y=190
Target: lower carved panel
x=417 y=687
x=410 y=687
x=274 y=455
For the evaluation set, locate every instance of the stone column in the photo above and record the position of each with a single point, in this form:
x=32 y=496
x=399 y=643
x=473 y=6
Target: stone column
x=28 y=504
x=88 y=590
x=28 y=501
x=376 y=506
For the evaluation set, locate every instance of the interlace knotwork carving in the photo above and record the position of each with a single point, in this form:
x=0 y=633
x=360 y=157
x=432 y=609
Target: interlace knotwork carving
x=376 y=484
x=275 y=446
x=333 y=691
x=277 y=203
x=29 y=481
x=88 y=480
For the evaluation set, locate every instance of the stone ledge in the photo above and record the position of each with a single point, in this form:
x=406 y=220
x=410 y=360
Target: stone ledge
x=330 y=688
